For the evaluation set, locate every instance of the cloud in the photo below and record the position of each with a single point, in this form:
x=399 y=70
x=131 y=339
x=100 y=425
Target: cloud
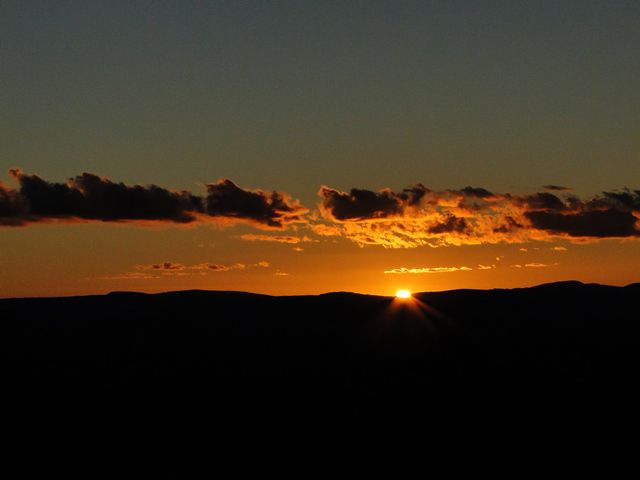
x=179 y=269
x=404 y=270
x=166 y=269
x=131 y=276
x=218 y=267
x=271 y=209
x=88 y=197
x=168 y=266
x=325 y=230
x=250 y=237
x=362 y=204
x=12 y=206
x=544 y=201
x=607 y=223
x=534 y=265
x=415 y=216
x=418 y=216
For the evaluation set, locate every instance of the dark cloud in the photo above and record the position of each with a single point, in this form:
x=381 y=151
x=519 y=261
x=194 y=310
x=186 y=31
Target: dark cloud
x=271 y=209
x=12 y=207
x=411 y=217
x=556 y=188
x=362 y=204
x=168 y=266
x=476 y=192
x=509 y=224
x=89 y=197
x=451 y=225
x=545 y=201
x=596 y=224
x=609 y=215
x=413 y=195
x=625 y=199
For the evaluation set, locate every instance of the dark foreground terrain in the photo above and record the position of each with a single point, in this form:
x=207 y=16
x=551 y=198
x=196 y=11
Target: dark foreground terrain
x=566 y=332
x=485 y=369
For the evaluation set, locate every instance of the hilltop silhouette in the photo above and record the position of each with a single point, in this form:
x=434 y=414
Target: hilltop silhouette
x=464 y=360
x=567 y=330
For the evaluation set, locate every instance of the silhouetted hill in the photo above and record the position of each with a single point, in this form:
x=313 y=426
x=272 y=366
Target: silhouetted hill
x=467 y=359
x=565 y=329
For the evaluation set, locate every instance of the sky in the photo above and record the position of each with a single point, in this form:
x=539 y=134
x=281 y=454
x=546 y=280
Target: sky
x=305 y=147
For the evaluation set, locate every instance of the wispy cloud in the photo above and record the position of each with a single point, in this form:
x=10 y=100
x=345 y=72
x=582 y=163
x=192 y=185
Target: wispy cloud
x=556 y=188
x=534 y=265
x=131 y=276
x=251 y=237
x=485 y=267
x=164 y=266
x=218 y=267
x=173 y=269
x=404 y=270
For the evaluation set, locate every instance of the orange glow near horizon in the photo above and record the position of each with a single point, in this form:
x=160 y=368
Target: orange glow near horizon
x=99 y=258
x=403 y=294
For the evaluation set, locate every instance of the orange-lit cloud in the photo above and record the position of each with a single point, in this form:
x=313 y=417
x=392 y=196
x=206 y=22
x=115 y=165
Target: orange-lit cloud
x=250 y=237
x=417 y=216
x=132 y=276
x=89 y=197
x=404 y=270
x=218 y=267
x=535 y=265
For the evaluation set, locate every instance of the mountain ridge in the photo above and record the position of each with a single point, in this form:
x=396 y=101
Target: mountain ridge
x=132 y=293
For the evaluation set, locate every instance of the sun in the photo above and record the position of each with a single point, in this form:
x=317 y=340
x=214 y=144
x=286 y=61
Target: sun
x=403 y=294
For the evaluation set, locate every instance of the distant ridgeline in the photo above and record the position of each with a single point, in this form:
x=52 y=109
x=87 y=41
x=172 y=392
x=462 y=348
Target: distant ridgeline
x=456 y=358
x=568 y=330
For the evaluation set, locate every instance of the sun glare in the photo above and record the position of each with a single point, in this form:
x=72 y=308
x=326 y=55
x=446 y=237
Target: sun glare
x=403 y=294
